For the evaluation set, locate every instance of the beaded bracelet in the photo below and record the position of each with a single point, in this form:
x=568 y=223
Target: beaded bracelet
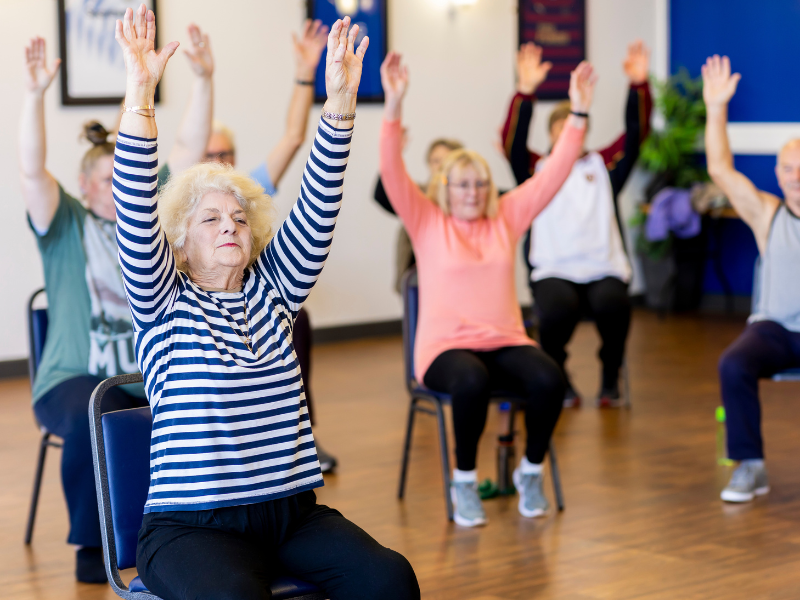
x=338 y=117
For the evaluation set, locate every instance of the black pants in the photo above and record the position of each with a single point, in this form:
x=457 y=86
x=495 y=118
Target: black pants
x=301 y=335
x=561 y=304
x=233 y=553
x=470 y=377
x=64 y=410
x=763 y=349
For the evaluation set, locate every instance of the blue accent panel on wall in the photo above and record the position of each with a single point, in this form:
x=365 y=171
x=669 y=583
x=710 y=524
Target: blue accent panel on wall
x=731 y=240
x=760 y=168
x=761 y=39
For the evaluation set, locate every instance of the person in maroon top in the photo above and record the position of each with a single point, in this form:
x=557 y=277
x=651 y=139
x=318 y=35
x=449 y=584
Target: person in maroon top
x=578 y=266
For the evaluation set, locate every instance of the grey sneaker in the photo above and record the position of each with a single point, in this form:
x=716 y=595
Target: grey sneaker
x=327 y=462
x=467 y=507
x=532 y=502
x=747 y=481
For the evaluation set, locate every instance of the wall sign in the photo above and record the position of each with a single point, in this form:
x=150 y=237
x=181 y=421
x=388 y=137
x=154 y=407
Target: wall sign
x=559 y=27
x=92 y=69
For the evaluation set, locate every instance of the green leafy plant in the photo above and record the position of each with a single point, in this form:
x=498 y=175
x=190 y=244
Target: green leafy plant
x=672 y=150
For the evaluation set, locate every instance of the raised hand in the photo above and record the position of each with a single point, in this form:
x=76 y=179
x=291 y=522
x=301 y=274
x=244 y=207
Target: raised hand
x=200 y=58
x=581 y=87
x=637 y=63
x=136 y=35
x=308 y=48
x=38 y=76
x=343 y=64
x=530 y=68
x=719 y=85
x=394 y=77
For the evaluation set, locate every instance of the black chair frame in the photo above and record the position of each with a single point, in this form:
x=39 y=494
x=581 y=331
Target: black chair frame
x=45 y=442
x=432 y=403
x=104 y=495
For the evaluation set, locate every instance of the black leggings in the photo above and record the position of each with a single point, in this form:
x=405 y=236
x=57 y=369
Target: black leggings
x=233 y=553
x=470 y=377
x=561 y=304
x=64 y=410
x=301 y=337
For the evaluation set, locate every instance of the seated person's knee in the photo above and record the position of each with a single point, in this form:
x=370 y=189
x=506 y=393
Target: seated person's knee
x=392 y=578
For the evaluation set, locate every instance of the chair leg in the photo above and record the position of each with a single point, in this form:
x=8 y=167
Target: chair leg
x=407 y=448
x=505 y=454
x=626 y=382
x=37 y=484
x=445 y=459
x=556 y=475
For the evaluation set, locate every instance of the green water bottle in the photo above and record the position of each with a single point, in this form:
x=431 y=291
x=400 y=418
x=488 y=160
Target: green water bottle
x=722 y=451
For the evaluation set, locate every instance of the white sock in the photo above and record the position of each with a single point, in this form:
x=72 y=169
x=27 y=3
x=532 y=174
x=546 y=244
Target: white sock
x=465 y=476
x=529 y=468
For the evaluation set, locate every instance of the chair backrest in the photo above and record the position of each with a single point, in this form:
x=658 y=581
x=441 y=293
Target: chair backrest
x=410 y=291
x=121 y=452
x=754 y=299
x=37 y=334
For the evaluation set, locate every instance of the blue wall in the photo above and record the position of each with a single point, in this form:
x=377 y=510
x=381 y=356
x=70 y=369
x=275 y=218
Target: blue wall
x=762 y=40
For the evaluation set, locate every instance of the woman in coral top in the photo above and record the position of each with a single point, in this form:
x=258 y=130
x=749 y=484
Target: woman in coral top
x=470 y=336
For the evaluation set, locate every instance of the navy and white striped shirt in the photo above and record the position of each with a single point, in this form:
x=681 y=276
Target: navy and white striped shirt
x=230 y=426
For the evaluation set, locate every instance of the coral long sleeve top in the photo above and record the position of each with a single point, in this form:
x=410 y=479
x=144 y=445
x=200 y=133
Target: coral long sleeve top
x=467 y=292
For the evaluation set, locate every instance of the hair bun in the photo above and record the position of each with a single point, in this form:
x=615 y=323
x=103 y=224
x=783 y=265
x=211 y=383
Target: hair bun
x=95 y=133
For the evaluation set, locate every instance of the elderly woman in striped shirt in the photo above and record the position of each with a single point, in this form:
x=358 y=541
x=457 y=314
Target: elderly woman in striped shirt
x=214 y=296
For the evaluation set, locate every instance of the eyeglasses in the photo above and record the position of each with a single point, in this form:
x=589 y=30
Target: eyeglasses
x=224 y=157
x=465 y=186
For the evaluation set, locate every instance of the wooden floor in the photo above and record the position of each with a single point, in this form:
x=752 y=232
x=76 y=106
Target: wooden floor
x=643 y=518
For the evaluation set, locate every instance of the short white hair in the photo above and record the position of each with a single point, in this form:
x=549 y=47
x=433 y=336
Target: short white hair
x=183 y=193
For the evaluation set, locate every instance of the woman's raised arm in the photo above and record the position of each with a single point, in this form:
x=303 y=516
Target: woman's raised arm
x=293 y=260
x=148 y=265
x=410 y=204
x=39 y=187
x=521 y=205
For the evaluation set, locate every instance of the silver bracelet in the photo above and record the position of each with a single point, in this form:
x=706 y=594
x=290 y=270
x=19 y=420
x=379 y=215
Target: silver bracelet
x=338 y=117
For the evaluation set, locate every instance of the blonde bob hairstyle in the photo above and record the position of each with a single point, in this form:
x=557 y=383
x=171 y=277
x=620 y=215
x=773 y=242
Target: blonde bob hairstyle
x=183 y=193
x=437 y=190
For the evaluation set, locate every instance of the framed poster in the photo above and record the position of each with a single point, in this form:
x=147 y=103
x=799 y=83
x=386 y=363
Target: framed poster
x=92 y=70
x=559 y=27
x=370 y=16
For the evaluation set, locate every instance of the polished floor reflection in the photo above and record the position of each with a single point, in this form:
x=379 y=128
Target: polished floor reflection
x=643 y=519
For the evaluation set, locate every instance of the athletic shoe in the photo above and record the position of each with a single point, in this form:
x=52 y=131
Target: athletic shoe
x=748 y=480
x=467 y=507
x=89 y=567
x=327 y=462
x=571 y=397
x=609 y=397
x=532 y=502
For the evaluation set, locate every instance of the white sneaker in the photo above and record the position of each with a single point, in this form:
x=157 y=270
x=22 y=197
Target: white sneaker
x=532 y=502
x=747 y=481
x=467 y=507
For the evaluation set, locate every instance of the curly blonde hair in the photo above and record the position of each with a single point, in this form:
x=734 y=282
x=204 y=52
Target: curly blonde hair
x=183 y=193
x=437 y=189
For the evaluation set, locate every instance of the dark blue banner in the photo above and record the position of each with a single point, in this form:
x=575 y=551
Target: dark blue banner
x=559 y=27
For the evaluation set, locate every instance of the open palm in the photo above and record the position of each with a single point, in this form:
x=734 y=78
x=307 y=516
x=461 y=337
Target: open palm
x=532 y=71
x=344 y=62
x=637 y=62
x=136 y=35
x=581 y=87
x=308 y=46
x=38 y=76
x=719 y=85
x=394 y=77
x=199 y=55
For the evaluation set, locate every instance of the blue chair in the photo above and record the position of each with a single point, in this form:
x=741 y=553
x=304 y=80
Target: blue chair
x=121 y=452
x=37 y=334
x=436 y=401
x=789 y=374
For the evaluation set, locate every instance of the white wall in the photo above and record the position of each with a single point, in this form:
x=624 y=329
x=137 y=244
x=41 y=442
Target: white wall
x=462 y=78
